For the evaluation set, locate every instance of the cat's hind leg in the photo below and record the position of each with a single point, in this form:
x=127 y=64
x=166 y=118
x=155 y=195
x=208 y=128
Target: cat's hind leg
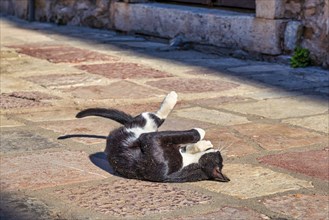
x=167 y=105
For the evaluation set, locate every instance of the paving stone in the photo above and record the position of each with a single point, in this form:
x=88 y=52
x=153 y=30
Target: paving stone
x=300 y=206
x=260 y=68
x=211 y=102
x=286 y=81
x=6 y=122
x=127 y=198
x=47 y=170
x=24 y=99
x=94 y=126
x=219 y=62
x=114 y=91
x=249 y=181
x=62 y=53
x=302 y=162
x=318 y=122
x=279 y=136
x=192 y=85
x=228 y=212
x=177 y=124
x=21 y=141
x=123 y=70
x=17 y=206
x=274 y=108
x=230 y=144
x=211 y=116
x=62 y=80
x=55 y=115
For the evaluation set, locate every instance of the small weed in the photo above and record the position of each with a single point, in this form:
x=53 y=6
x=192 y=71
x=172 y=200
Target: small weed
x=301 y=58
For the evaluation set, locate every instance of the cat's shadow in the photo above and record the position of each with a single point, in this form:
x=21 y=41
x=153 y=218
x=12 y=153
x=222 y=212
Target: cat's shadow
x=99 y=159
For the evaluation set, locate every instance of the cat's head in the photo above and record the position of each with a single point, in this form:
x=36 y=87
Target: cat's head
x=212 y=164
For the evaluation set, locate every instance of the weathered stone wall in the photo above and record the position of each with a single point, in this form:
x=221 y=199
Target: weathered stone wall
x=314 y=15
x=14 y=7
x=92 y=13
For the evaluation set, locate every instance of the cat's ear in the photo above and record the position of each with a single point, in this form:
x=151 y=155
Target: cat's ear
x=219 y=176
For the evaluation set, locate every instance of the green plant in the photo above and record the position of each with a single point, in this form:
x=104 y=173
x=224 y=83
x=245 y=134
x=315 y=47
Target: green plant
x=301 y=58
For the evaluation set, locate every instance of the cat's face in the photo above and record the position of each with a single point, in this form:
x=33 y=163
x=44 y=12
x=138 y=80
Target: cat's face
x=212 y=164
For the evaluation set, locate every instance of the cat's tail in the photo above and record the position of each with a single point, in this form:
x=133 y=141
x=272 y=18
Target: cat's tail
x=81 y=135
x=116 y=115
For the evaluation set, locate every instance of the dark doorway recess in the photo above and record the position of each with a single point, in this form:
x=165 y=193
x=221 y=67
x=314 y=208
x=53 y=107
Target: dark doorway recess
x=247 y=4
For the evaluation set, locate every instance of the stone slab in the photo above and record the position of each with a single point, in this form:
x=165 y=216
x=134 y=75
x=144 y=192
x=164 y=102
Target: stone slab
x=94 y=126
x=211 y=116
x=229 y=143
x=7 y=122
x=279 y=108
x=318 y=122
x=302 y=162
x=279 y=136
x=177 y=123
x=300 y=206
x=123 y=71
x=47 y=170
x=62 y=53
x=114 y=91
x=249 y=181
x=258 y=69
x=24 y=99
x=20 y=206
x=131 y=198
x=213 y=102
x=192 y=85
x=23 y=141
x=56 y=115
x=286 y=81
x=228 y=212
x=65 y=80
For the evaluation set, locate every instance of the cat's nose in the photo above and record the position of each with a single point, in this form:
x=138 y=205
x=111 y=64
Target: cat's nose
x=222 y=178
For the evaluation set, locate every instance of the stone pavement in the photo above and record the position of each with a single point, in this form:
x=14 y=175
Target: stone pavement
x=270 y=120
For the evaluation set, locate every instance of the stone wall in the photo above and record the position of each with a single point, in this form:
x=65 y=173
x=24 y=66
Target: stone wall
x=302 y=22
x=92 y=13
x=314 y=16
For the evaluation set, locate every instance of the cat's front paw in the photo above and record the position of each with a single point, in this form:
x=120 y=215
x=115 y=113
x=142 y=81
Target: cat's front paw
x=204 y=145
x=201 y=132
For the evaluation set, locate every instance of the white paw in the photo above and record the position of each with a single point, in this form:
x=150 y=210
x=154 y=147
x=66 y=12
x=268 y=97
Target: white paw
x=171 y=98
x=204 y=145
x=202 y=133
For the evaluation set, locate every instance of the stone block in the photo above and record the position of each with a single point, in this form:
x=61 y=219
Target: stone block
x=318 y=122
x=47 y=169
x=211 y=116
x=114 y=91
x=270 y=9
x=130 y=198
x=217 y=27
x=292 y=35
x=249 y=181
x=123 y=71
x=300 y=206
x=192 y=85
x=280 y=136
x=272 y=108
x=311 y=163
x=227 y=212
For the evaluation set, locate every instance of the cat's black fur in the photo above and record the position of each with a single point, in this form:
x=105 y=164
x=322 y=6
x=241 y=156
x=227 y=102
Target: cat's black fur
x=137 y=150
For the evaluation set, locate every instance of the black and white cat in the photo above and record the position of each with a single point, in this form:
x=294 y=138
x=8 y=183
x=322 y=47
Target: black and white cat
x=137 y=150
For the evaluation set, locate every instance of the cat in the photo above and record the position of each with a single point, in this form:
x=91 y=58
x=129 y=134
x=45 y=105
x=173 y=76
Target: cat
x=137 y=150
